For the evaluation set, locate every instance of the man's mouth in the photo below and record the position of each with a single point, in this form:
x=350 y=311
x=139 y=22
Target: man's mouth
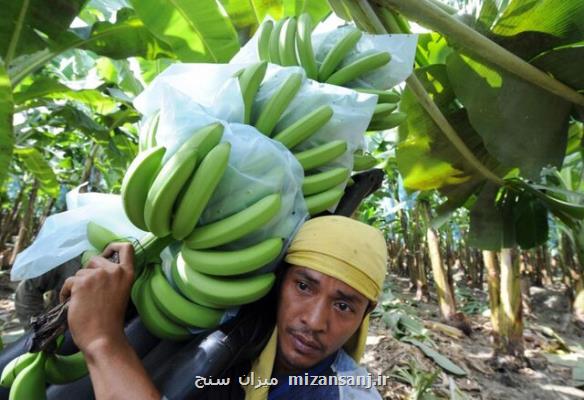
x=304 y=345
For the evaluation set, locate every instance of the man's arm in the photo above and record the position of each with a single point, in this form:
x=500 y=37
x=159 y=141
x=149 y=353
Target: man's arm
x=99 y=296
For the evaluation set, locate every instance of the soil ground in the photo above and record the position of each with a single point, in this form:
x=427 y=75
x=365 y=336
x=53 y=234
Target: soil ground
x=548 y=376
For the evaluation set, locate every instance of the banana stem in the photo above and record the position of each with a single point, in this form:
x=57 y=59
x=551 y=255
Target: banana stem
x=148 y=248
x=430 y=15
x=432 y=109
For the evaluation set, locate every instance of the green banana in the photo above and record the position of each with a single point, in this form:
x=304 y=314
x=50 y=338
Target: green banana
x=178 y=308
x=263 y=34
x=194 y=199
x=153 y=319
x=174 y=174
x=137 y=180
x=226 y=292
x=273 y=109
x=317 y=203
x=304 y=127
x=321 y=155
x=336 y=54
x=13 y=368
x=148 y=139
x=383 y=110
x=389 y=122
x=288 y=43
x=364 y=64
x=87 y=255
x=234 y=262
x=383 y=96
x=363 y=162
x=98 y=236
x=350 y=182
x=61 y=369
x=304 y=46
x=274 y=45
x=324 y=180
x=235 y=226
x=182 y=277
x=30 y=382
x=249 y=82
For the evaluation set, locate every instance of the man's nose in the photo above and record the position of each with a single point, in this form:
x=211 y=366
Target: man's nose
x=316 y=317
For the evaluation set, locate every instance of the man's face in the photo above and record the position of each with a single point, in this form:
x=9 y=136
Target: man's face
x=317 y=314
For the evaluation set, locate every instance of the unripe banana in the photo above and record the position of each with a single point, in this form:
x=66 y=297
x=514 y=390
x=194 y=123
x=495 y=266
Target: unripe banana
x=199 y=190
x=321 y=155
x=304 y=46
x=363 y=162
x=226 y=292
x=178 y=308
x=153 y=319
x=389 y=122
x=233 y=262
x=87 y=255
x=30 y=382
x=249 y=82
x=273 y=109
x=148 y=137
x=98 y=236
x=274 y=45
x=305 y=127
x=61 y=369
x=288 y=43
x=263 y=34
x=173 y=176
x=384 y=96
x=13 y=368
x=363 y=65
x=323 y=181
x=383 y=110
x=137 y=181
x=235 y=226
x=320 y=202
x=337 y=53
x=183 y=279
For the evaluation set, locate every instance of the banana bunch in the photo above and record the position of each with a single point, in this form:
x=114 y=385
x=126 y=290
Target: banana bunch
x=168 y=198
x=28 y=374
x=288 y=42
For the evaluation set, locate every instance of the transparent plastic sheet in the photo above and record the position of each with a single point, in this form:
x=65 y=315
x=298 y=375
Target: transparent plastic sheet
x=401 y=47
x=63 y=236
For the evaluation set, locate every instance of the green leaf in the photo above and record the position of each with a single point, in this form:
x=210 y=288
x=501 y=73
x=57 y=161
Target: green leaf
x=127 y=37
x=425 y=158
x=434 y=47
x=531 y=222
x=509 y=113
x=20 y=19
x=197 y=31
x=46 y=87
x=487 y=225
x=40 y=168
x=565 y=63
x=561 y=19
x=6 y=111
x=119 y=73
x=440 y=359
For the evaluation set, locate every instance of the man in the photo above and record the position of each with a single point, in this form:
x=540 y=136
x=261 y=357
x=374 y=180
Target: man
x=335 y=273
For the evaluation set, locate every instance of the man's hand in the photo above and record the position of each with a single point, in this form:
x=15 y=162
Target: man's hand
x=98 y=299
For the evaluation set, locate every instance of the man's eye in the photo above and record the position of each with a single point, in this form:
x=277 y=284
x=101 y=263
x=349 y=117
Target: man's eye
x=344 y=307
x=302 y=286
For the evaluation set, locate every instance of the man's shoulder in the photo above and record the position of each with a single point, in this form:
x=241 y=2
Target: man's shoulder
x=358 y=383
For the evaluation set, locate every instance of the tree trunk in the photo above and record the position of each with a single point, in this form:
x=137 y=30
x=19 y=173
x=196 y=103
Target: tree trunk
x=494 y=285
x=25 y=222
x=86 y=175
x=9 y=222
x=510 y=311
x=445 y=293
x=548 y=278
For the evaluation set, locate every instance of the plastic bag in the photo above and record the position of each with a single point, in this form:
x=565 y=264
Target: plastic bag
x=401 y=47
x=63 y=236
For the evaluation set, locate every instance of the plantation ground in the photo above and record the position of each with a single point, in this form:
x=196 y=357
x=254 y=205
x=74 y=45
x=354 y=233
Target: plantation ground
x=548 y=378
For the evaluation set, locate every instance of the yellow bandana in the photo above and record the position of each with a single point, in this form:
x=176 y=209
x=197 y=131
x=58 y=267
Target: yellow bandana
x=343 y=248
